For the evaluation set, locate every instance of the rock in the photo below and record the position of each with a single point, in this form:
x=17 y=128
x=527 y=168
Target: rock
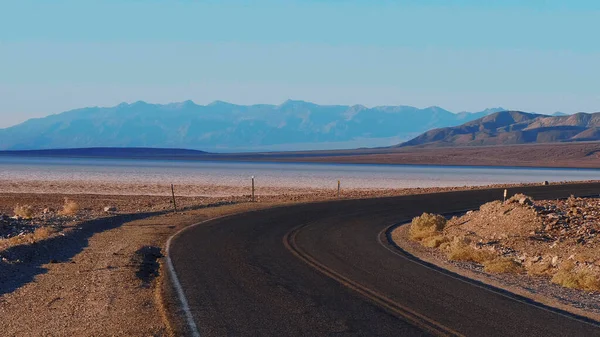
x=555 y=261
x=545 y=183
x=525 y=201
x=110 y=209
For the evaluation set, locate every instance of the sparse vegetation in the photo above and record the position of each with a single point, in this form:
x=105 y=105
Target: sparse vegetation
x=460 y=250
x=426 y=226
x=24 y=211
x=577 y=277
x=70 y=208
x=543 y=268
x=43 y=233
x=40 y=233
x=502 y=265
x=520 y=235
x=434 y=241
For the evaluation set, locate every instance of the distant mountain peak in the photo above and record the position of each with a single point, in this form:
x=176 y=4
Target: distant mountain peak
x=492 y=110
x=217 y=103
x=182 y=105
x=297 y=104
x=223 y=126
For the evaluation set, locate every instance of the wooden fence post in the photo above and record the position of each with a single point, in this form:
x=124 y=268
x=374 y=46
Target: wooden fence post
x=253 y=200
x=173 y=194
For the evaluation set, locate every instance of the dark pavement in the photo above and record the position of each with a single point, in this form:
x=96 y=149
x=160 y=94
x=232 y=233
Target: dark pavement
x=242 y=274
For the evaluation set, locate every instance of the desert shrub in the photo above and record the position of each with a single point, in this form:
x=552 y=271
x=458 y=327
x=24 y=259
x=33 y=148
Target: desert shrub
x=39 y=234
x=542 y=268
x=459 y=250
x=571 y=277
x=434 y=241
x=502 y=265
x=24 y=211
x=43 y=233
x=426 y=225
x=70 y=208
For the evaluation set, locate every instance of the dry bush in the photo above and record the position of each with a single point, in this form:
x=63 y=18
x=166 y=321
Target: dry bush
x=571 y=277
x=69 y=208
x=459 y=250
x=434 y=241
x=543 y=268
x=43 y=233
x=25 y=211
x=16 y=241
x=426 y=225
x=502 y=265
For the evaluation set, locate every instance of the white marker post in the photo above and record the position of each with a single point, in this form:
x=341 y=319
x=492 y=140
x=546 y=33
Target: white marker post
x=253 y=189
x=505 y=194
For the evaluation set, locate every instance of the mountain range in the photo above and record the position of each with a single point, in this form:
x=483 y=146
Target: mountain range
x=226 y=127
x=514 y=127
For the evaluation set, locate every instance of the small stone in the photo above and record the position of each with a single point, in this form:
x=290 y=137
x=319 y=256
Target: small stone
x=110 y=209
x=525 y=201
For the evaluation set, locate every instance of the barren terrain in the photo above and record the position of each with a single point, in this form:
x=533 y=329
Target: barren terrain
x=544 y=250
x=98 y=269
x=583 y=155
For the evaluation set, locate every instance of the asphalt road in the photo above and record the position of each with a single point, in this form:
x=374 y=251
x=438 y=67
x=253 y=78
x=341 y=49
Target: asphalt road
x=326 y=269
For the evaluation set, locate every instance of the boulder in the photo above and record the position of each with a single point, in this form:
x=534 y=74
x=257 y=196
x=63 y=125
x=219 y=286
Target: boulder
x=110 y=209
x=525 y=201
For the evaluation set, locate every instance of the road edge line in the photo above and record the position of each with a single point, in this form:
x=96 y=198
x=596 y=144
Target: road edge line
x=398 y=251
x=415 y=318
x=175 y=280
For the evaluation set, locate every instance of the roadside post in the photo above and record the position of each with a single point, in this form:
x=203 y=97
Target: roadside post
x=173 y=194
x=338 y=189
x=253 y=189
x=505 y=194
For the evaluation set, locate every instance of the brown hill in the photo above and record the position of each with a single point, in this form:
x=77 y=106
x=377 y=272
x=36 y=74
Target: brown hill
x=514 y=127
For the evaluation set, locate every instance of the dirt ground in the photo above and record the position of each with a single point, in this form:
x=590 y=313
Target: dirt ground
x=101 y=275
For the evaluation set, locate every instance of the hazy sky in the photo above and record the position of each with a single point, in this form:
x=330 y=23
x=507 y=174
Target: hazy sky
x=540 y=56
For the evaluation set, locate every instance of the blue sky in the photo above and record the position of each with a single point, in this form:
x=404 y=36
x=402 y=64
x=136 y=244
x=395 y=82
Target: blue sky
x=540 y=56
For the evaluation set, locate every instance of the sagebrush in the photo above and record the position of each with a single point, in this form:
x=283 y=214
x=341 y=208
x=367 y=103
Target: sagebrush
x=425 y=226
x=70 y=208
x=24 y=211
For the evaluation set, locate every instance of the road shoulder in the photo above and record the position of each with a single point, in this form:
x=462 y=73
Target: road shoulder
x=523 y=286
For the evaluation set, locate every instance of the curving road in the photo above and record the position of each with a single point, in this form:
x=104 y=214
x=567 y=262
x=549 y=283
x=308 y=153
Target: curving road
x=324 y=269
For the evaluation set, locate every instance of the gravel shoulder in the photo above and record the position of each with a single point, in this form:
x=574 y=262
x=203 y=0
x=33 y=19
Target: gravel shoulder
x=511 y=231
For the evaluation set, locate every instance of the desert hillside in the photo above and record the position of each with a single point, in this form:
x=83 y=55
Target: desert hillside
x=513 y=127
